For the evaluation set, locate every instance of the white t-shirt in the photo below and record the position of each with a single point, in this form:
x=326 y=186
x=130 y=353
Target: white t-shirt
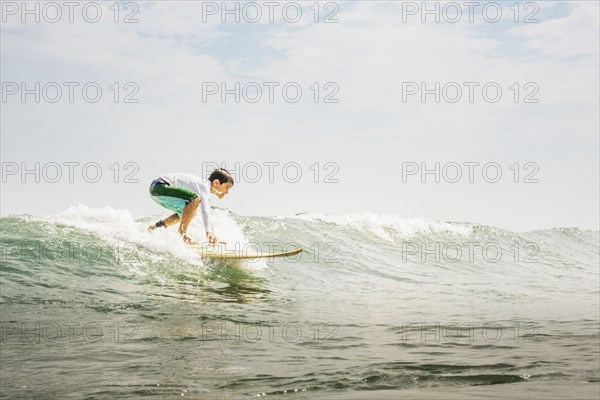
x=198 y=186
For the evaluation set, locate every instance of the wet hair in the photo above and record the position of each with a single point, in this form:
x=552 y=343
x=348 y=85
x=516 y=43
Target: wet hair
x=222 y=175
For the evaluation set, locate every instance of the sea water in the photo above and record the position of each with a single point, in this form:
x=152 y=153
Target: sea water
x=95 y=306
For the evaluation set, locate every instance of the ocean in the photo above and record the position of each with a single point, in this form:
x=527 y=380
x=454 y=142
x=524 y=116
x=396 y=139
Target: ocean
x=376 y=307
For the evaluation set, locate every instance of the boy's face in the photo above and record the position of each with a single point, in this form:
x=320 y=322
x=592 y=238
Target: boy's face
x=220 y=189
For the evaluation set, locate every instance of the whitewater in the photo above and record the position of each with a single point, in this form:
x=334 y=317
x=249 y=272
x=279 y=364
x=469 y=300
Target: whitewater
x=92 y=305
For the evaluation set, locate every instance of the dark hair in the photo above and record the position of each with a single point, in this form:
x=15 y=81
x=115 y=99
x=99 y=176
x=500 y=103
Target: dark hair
x=222 y=175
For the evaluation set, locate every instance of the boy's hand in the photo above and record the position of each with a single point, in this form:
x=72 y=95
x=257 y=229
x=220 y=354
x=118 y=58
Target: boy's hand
x=212 y=239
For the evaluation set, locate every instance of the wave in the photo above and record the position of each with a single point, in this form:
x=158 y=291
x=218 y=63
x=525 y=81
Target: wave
x=367 y=243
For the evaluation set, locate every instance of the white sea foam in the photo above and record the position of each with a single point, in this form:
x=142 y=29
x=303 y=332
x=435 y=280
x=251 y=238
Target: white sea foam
x=120 y=226
x=388 y=227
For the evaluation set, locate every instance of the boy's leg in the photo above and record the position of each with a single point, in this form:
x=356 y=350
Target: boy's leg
x=173 y=198
x=188 y=213
x=183 y=201
x=170 y=220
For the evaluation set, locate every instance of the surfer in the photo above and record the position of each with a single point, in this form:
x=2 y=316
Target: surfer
x=183 y=193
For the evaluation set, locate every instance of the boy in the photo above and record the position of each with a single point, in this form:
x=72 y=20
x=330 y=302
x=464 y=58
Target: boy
x=183 y=193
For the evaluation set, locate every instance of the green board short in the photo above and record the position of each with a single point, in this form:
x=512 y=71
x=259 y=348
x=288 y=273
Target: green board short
x=171 y=197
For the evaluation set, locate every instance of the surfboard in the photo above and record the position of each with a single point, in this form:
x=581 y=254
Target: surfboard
x=222 y=253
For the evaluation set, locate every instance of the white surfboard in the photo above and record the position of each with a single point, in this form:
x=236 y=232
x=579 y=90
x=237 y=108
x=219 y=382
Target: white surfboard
x=222 y=253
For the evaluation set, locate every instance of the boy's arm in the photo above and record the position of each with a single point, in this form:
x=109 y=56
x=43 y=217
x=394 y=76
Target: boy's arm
x=206 y=216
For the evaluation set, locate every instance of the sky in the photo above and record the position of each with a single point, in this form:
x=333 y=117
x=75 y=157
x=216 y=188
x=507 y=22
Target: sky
x=485 y=113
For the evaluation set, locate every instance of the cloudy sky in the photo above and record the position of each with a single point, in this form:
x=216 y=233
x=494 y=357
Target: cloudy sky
x=486 y=113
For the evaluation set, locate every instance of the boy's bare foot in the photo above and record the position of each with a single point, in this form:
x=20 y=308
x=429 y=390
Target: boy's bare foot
x=188 y=240
x=159 y=224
